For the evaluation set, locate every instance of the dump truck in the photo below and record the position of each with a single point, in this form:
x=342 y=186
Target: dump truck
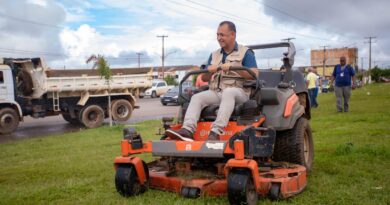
x=30 y=88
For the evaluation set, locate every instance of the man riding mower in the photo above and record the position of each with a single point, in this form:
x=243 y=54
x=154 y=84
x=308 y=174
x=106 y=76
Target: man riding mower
x=266 y=148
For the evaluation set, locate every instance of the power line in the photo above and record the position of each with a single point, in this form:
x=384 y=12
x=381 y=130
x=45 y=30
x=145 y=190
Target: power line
x=224 y=14
x=45 y=53
x=31 y=22
x=287 y=14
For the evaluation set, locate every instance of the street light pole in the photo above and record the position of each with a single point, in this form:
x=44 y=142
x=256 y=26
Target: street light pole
x=163 y=55
x=369 y=57
x=139 y=59
x=323 y=62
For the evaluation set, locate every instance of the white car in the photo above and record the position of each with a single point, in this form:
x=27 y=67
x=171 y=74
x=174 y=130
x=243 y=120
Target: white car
x=159 y=87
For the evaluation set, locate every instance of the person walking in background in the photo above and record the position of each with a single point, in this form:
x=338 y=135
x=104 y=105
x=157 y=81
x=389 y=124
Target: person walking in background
x=318 y=84
x=199 y=82
x=342 y=75
x=311 y=79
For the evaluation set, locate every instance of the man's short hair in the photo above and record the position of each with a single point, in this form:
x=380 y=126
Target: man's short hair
x=230 y=24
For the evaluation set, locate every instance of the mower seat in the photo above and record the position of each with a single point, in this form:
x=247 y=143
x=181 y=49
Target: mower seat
x=249 y=107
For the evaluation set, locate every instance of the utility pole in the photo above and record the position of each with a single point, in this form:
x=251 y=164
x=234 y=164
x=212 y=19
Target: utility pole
x=287 y=39
x=323 y=61
x=369 y=57
x=139 y=59
x=163 y=55
x=361 y=58
x=268 y=64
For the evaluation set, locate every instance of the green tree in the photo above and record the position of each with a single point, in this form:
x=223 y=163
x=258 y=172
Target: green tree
x=375 y=74
x=104 y=71
x=170 y=80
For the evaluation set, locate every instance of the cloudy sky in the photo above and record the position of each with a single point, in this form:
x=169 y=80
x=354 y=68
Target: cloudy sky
x=65 y=32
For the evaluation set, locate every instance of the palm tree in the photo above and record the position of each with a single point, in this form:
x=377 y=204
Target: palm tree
x=104 y=70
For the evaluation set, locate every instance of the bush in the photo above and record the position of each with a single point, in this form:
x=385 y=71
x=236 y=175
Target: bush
x=376 y=73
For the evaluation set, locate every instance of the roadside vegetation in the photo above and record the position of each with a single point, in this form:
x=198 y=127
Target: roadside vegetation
x=351 y=166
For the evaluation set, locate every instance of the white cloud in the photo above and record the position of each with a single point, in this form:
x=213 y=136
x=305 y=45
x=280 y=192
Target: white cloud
x=38 y=2
x=190 y=26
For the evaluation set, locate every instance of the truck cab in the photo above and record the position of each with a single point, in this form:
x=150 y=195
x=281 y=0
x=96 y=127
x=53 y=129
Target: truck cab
x=6 y=84
x=10 y=111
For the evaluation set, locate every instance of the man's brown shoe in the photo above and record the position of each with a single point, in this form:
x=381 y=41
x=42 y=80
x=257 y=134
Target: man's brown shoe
x=181 y=134
x=213 y=136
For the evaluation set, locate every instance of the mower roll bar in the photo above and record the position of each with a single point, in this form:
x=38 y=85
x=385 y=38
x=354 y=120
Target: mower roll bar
x=233 y=68
x=288 y=59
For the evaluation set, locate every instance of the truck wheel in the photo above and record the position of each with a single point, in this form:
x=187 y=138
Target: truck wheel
x=241 y=189
x=295 y=145
x=25 y=84
x=68 y=118
x=154 y=95
x=9 y=120
x=121 y=110
x=92 y=116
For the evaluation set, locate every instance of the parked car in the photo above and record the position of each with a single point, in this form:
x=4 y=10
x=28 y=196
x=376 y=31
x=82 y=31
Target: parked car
x=159 y=87
x=358 y=83
x=172 y=95
x=326 y=86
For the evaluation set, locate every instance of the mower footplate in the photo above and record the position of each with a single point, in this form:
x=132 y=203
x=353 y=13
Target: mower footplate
x=214 y=149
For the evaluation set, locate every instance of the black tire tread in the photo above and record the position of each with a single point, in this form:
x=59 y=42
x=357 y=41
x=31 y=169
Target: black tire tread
x=289 y=144
x=15 y=121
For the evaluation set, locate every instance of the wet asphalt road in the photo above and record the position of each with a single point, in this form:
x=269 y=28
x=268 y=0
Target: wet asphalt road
x=30 y=127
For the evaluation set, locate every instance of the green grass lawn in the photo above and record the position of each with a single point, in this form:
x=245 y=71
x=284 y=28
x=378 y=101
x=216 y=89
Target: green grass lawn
x=351 y=166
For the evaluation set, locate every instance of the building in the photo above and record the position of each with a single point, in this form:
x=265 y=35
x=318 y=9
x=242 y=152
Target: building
x=332 y=58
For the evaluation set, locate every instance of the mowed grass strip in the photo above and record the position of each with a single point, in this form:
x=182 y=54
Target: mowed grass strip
x=352 y=161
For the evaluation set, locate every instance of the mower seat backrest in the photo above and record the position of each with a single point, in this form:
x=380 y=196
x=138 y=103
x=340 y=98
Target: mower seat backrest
x=269 y=96
x=272 y=78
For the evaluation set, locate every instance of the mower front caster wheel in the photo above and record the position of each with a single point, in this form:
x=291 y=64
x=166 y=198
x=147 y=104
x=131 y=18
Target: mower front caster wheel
x=241 y=189
x=274 y=192
x=190 y=192
x=127 y=182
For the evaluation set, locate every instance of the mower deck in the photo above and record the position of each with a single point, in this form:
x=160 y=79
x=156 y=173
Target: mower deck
x=290 y=180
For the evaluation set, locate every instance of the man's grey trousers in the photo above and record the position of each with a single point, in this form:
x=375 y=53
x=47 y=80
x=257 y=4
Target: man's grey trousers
x=226 y=99
x=342 y=92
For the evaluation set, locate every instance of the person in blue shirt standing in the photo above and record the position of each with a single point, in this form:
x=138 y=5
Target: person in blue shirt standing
x=342 y=75
x=226 y=86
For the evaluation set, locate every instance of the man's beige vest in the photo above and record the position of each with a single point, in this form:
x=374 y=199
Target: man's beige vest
x=221 y=79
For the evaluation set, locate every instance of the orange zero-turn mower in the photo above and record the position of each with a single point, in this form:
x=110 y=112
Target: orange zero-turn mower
x=266 y=149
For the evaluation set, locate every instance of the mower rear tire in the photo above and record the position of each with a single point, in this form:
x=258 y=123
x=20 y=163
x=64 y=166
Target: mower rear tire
x=295 y=145
x=241 y=189
x=127 y=182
